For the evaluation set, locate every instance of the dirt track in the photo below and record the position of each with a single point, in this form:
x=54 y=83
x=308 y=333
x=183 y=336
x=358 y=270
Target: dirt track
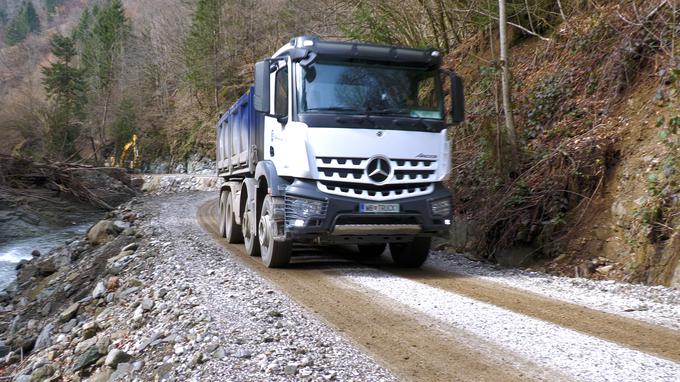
x=417 y=347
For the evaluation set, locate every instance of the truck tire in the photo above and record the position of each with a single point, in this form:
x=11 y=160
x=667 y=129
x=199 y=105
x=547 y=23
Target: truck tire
x=411 y=255
x=275 y=254
x=250 y=239
x=223 y=215
x=371 y=251
x=232 y=231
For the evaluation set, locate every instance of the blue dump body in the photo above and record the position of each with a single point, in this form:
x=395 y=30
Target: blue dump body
x=239 y=133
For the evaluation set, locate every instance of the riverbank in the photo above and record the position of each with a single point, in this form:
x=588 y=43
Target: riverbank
x=15 y=251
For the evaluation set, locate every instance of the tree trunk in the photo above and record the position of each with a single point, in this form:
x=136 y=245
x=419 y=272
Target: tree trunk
x=505 y=79
x=94 y=146
x=102 y=127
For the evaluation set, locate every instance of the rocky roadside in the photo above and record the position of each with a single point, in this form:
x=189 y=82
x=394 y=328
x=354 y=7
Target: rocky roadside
x=173 y=183
x=147 y=295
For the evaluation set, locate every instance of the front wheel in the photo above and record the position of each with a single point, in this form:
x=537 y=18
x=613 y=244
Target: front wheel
x=411 y=255
x=275 y=254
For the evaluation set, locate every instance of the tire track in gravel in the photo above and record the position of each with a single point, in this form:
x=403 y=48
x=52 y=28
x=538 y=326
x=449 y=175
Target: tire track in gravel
x=415 y=349
x=656 y=340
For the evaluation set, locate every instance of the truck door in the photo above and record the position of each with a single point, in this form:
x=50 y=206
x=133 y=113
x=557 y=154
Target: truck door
x=275 y=122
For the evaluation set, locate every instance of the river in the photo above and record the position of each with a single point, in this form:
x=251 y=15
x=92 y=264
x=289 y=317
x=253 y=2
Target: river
x=12 y=252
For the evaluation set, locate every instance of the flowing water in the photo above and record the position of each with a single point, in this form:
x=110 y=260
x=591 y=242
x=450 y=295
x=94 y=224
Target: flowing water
x=12 y=252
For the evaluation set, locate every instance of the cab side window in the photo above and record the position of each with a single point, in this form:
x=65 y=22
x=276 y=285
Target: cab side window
x=281 y=93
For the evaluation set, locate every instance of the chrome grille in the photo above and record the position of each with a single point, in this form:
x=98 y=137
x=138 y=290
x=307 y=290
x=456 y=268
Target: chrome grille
x=347 y=177
x=353 y=170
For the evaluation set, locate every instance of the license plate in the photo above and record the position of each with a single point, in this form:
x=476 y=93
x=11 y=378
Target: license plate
x=379 y=208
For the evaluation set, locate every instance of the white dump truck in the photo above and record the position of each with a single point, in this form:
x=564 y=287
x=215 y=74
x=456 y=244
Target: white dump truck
x=339 y=143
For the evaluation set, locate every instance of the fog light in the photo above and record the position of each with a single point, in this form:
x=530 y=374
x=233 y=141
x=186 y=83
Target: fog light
x=447 y=221
x=441 y=207
x=299 y=211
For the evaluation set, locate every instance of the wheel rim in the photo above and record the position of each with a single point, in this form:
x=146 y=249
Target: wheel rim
x=246 y=225
x=264 y=232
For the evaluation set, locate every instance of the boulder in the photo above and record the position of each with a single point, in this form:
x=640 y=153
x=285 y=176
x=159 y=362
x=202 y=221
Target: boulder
x=86 y=344
x=103 y=344
x=102 y=232
x=121 y=225
x=147 y=304
x=69 y=313
x=45 y=337
x=99 y=290
x=103 y=375
x=20 y=264
x=45 y=268
x=115 y=357
x=90 y=329
x=42 y=373
x=138 y=314
x=89 y=357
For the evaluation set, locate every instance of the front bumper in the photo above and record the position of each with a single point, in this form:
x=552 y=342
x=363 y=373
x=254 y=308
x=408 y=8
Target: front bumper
x=344 y=223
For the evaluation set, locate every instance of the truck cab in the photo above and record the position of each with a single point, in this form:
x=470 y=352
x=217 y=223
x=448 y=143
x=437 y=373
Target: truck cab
x=339 y=143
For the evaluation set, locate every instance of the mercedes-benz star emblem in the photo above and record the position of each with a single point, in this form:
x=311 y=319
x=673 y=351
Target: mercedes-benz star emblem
x=378 y=169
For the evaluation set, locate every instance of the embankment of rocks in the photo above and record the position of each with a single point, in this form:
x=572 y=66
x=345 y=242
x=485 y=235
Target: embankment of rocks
x=52 y=316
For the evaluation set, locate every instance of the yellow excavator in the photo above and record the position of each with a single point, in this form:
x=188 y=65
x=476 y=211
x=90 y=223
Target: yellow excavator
x=123 y=155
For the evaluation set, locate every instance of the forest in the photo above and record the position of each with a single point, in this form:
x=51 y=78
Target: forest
x=591 y=85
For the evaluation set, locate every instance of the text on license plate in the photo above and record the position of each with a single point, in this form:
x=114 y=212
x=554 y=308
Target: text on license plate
x=379 y=208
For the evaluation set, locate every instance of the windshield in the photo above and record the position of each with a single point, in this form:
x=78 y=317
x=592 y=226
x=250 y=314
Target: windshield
x=366 y=88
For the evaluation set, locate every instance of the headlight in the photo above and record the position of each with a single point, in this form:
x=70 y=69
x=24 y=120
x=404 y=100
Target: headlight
x=441 y=207
x=299 y=211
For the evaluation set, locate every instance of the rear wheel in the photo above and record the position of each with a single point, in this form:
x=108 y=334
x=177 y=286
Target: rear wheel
x=250 y=231
x=371 y=251
x=232 y=231
x=223 y=215
x=411 y=255
x=275 y=254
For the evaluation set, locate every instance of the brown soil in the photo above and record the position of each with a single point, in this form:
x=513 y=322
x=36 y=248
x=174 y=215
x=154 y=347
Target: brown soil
x=607 y=231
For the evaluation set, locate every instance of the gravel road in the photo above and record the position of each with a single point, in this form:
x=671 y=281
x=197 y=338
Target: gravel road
x=477 y=322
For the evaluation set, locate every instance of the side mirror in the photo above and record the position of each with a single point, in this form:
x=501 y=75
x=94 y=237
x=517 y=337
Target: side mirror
x=261 y=96
x=457 y=98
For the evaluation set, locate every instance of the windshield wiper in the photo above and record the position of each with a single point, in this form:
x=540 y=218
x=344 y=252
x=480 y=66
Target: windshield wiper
x=391 y=111
x=334 y=108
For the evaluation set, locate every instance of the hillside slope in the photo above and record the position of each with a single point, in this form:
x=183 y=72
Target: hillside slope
x=597 y=192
